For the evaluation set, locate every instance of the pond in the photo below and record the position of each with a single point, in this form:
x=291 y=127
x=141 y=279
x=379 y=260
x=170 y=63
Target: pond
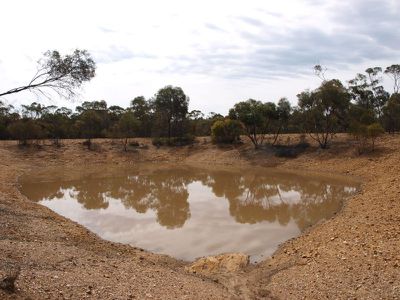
x=188 y=212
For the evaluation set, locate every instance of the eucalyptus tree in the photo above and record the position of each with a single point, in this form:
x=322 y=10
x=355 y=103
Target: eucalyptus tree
x=58 y=123
x=323 y=110
x=380 y=96
x=6 y=117
x=393 y=72
x=89 y=125
x=259 y=119
x=391 y=114
x=171 y=110
x=5 y=108
x=61 y=74
x=126 y=127
x=116 y=111
x=36 y=110
x=281 y=119
x=361 y=92
x=95 y=113
x=92 y=105
x=320 y=71
x=367 y=92
x=142 y=110
x=24 y=130
x=252 y=115
x=198 y=124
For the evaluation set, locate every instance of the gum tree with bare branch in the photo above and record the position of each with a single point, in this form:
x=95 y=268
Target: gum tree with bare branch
x=61 y=74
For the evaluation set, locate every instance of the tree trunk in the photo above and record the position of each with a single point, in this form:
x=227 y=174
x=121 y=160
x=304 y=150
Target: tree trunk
x=125 y=144
x=169 y=129
x=276 y=136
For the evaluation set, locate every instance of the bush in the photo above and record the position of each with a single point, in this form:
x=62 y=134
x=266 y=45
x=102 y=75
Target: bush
x=374 y=131
x=226 y=131
x=187 y=139
x=134 y=144
x=173 y=141
x=362 y=133
x=158 y=141
x=24 y=130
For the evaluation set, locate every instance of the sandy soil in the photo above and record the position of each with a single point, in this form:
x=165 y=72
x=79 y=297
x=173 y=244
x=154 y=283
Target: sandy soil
x=353 y=255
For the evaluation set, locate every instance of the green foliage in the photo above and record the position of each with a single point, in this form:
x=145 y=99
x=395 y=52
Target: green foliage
x=365 y=135
x=226 y=131
x=89 y=125
x=187 y=139
x=331 y=108
x=199 y=125
x=158 y=141
x=142 y=110
x=170 y=110
x=98 y=106
x=134 y=144
x=324 y=110
x=366 y=92
x=25 y=130
x=374 y=130
x=391 y=114
x=58 y=124
x=6 y=117
x=61 y=74
x=256 y=117
x=126 y=127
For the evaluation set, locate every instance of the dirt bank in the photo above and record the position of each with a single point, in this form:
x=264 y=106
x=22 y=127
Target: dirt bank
x=354 y=255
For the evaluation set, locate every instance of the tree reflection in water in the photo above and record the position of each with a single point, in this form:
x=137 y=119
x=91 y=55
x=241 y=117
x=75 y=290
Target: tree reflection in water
x=253 y=195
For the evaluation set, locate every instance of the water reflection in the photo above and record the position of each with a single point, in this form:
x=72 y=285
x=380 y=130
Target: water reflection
x=252 y=197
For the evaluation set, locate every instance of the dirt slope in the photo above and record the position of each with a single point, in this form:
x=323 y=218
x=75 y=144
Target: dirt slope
x=354 y=255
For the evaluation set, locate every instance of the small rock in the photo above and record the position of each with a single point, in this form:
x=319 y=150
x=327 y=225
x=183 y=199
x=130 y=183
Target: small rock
x=223 y=263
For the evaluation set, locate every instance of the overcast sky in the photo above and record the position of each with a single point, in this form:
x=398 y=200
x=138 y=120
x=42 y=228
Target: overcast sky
x=219 y=52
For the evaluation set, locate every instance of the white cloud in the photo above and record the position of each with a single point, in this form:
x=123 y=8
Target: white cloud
x=219 y=52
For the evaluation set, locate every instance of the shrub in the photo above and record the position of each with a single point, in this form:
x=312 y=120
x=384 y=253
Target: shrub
x=363 y=133
x=24 y=130
x=187 y=139
x=374 y=131
x=134 y=144
x=226 y=131
x=158 y=141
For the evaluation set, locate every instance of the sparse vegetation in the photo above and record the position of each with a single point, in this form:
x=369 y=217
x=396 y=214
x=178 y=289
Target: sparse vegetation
x=324 y=111
x=226 y=131
x=187 y=139
x=365 y=135
x=364 y=109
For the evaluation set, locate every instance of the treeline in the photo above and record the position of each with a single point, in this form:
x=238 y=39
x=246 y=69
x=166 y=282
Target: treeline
x=363 y=108
x=164 y=116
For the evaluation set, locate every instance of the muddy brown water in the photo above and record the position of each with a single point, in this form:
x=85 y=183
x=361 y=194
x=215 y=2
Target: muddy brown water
x=188 y=212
